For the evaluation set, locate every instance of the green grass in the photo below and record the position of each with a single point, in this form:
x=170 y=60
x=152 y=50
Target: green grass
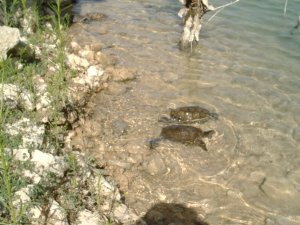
x=11 y=178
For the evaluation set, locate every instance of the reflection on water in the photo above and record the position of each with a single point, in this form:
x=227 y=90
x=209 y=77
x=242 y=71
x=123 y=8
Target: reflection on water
x=246 y=69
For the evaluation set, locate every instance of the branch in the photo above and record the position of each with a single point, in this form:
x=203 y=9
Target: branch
x=228 y=4
x=220 y=8
x=285 y=5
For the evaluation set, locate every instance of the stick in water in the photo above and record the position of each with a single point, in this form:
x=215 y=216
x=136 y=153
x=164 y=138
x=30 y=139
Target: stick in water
x=285 y=6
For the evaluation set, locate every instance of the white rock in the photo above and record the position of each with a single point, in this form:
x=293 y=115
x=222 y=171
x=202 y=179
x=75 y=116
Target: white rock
x=9 y=38
x=21 y=154
x=45 y=162
x=57 y=215
x=87 y=54
x=33 y=176
x=95 y=71
x=22 y=196
x=16 y=95
x=35 y=213
x=124 y=214
x=103 y=186
x=32 y=134
x=75 y=46
x=87 y=217
x=74 y=61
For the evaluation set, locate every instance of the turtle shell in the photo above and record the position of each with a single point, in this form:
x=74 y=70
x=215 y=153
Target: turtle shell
x=190 y=114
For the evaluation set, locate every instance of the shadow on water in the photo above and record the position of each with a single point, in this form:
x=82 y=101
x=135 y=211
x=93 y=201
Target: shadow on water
x=170 y=213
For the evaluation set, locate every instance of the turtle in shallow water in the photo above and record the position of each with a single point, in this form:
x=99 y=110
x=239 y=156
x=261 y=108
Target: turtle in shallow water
x=190 y=114
x=183 y=134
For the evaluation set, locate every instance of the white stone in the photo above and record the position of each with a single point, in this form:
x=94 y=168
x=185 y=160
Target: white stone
x=45 y=162
x=103 y=186
x=74 y=61
x=33 y=176
x=16 y=95
x=22 y=196
x=75 y=46
x=21 y=154
x=87 y=54
x=124 y=214
x=57 y=215
x=35 y=212
x=95 y=71
x=32 y=134
x=87 y=217
x=9 y=38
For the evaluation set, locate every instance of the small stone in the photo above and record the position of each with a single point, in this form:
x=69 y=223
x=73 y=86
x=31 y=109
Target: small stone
x=34 y=177
x=45 y=162
x=101 y=184
x=87 y=54
x=122 y=74
x=9 y=39
x=75 y=46
x=119 y=127
x=105 y=60
x=75 y=61
x=57 y=215
x=87 y=217
x=22 y=196
x=21 y=154
x=155 y=165
x=124 y=214
x=32 y=134
x=16 y=96
x=95 y=71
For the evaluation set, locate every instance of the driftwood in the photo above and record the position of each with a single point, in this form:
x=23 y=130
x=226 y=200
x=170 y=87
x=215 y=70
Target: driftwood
x=192 y=12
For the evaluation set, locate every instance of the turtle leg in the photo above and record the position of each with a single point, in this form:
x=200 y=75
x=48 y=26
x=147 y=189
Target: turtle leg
x=201 y=143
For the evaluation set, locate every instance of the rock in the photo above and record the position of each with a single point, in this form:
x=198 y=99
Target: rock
x=15 y=96
x=121 y=74
x=75 y=47
x=42 y=162
x=32 y=134
x=21 y=154
x=124 y=215
x=22 y=196
x=45 y=162
x=87 y=54
x=119 y=127
x=95 y=71
x=9 y=39
x=87 y=217
x=105 y=187
x=35 y=214
x=57 y=215
x=34 y=177
x=74 y=61
x=105 y=60
x=155 y=165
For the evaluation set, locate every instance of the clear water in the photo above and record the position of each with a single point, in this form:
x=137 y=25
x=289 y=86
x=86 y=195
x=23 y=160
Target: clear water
x=246 y=68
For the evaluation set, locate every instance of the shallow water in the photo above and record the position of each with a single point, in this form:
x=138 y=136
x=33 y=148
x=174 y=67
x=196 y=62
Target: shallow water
x=245 y=68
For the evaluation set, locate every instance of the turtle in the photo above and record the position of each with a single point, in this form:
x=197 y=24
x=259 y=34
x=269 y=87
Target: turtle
x=185 y=134
x=189 y=114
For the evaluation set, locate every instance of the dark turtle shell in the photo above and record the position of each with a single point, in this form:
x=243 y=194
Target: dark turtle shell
x=186 y=135
x=190 y=114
